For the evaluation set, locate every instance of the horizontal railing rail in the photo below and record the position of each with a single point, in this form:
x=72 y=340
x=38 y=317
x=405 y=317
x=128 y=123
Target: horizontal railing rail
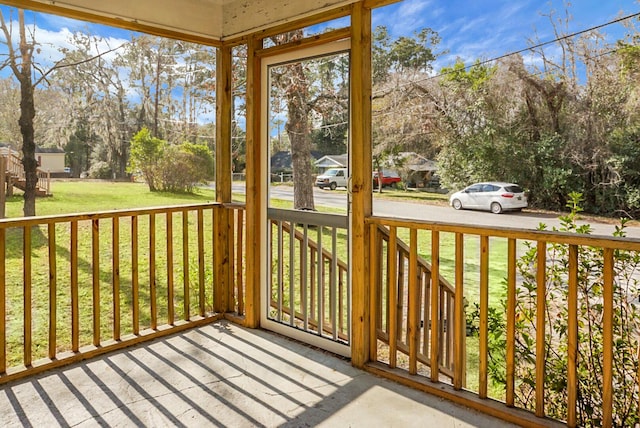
x=75 y=286
x=554 y=314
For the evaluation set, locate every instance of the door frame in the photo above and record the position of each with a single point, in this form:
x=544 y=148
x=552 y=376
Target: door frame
x=308 y=52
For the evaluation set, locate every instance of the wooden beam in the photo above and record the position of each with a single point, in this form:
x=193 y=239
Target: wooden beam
x=307 y=42
x=254 y=176
x=221 y=254
x=295 y=25
x=132 y=25
x=361 y=183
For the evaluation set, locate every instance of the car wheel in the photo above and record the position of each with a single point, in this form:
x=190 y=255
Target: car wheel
x=333 y=186
x=496 y=208
x=456 y=204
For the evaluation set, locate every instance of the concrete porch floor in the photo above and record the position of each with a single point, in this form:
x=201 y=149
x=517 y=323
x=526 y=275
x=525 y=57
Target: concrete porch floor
x=223 y=375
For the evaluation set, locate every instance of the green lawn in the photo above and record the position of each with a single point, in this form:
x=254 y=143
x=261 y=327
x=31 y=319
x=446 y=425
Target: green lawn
x=90 y=196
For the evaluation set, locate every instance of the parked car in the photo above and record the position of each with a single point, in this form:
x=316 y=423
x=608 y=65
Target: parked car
x=389 y=179
x=332 y=178
x=491 y=196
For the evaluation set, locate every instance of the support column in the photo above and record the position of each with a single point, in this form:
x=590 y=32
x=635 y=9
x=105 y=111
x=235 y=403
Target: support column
x=361 y=183
x=255 y=179
x=222 y=232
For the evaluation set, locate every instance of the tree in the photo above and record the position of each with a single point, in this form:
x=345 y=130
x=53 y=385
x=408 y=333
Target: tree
x=146 y=153
x=398 y=105
x=21 y=64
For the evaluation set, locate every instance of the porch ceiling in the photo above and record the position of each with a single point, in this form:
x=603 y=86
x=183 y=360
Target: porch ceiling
x=212 y=19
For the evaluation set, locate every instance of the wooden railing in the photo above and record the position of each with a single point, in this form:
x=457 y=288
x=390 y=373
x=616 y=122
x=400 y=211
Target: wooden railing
x=16 y=170
x=309 y=272
x=403 y=297
x=75 y=286
x=557 y=320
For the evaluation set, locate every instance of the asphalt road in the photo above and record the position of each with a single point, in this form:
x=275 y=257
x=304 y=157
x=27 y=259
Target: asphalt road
x=422 y=211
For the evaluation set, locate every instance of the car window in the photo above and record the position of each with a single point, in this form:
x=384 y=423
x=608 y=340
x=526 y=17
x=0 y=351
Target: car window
x=474 y=189
x=489 y=188
x=340 y=173
x=514 y=189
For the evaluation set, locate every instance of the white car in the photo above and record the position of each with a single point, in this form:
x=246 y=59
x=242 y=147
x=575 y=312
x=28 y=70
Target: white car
x=490 y=196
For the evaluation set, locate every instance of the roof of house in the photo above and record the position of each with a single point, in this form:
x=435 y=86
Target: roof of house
x=282 y=160
x=49 y=150
x=328 y=161
x=416 y=162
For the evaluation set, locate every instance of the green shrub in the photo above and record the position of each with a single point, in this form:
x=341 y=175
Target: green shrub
x=626 y=324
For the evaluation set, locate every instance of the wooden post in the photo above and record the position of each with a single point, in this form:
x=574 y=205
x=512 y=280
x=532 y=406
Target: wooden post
x=3 y=188
x=254 y=186
x=223 y=282
x=361 y=183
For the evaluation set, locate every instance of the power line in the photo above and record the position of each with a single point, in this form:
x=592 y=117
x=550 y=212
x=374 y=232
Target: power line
x=530 y=48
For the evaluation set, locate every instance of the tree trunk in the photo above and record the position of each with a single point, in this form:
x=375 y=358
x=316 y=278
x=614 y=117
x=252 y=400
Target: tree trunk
x=299 y=134
x=27 y=115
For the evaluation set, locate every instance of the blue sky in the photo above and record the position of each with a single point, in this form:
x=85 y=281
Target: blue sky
x=470 y=29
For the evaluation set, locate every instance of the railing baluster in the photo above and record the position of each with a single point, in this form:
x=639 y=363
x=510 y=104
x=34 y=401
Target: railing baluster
x=201 y=307
x=459 y=365
x=435 y=306
x=292 y=273
x=313 y=276
x=231 y=243
x=484 y=311
x=95 y=264
x=27 y=318
x=572 y=338
x=374 y=293
x=333 y=283
x=152 y=272
x=170 y=293
x=75 y=304
x=185 y=265
x=240 y=252
x=280 y=279
x=541 y=305
x=53 y=288
x=135 y=284
x=230 y=284
x=425 y=281
x=607 y=339
x=304 y=279
x=413 y=302
x=116 y=276
x=392 y=285
x=320 y=283
x=511 y=321
x=3 y=301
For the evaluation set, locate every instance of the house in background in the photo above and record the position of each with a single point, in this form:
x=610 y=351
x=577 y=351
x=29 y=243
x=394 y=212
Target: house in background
x=331 y=161
x=51 y=159
x=282 y=165
x=416 y=170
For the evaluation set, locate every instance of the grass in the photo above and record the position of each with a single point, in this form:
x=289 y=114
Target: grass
x=90 y=196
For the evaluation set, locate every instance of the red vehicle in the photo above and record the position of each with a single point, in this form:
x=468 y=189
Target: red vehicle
x=389 y=179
